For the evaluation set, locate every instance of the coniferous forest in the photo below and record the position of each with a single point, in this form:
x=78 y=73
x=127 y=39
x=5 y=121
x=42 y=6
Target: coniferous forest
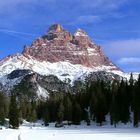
x=89 y=101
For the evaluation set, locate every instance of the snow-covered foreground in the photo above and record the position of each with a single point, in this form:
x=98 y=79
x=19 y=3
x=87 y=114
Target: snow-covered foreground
x=70 y=133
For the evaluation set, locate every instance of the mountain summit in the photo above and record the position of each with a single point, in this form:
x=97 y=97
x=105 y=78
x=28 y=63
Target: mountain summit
x=59 y=45
x=56 y=28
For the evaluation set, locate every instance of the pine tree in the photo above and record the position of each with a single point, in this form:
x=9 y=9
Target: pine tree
x=43 y=112
x=23 y=103
x=99 y=103
x=76 y=114
x=14 y=112
x=2 y=108
x=87 y=110
x=124 y=102
x=28 y=111
x=60 y=113
x=130 y=91
x=68 y=109
x=136 y=103
x=114 y=104
x=33 y=114
x=131 y=80
x=46 y=116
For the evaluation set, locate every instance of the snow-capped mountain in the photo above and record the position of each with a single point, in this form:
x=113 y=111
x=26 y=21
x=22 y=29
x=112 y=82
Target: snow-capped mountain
x=59 y=53
x=59 y=45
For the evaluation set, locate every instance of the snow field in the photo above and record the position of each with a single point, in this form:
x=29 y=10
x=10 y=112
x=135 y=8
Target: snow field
x=71 y=133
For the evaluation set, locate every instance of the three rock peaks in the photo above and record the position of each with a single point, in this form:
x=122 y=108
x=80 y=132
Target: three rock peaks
x=59 y=45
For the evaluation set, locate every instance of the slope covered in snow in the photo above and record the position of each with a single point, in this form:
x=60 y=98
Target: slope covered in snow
x=62 y=70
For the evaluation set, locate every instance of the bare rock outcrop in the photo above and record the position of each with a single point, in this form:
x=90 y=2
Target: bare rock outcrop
x=58 y=45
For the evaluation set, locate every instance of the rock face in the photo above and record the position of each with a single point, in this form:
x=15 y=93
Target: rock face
x=37 y=86
x=59 y=45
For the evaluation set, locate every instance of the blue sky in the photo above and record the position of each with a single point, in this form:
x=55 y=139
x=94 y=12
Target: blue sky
x=113 y=24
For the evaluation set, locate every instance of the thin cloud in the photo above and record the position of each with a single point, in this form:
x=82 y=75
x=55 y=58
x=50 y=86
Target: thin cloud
x=83 y=3
x=17 y=32
x=123 y=48
x=124 y=53
x=18 y=36
x=102 y=4
x=132 y=69
x=130 y=60
x=130 y=64
x=15 y=12
x=77 y=5
x=86 y=19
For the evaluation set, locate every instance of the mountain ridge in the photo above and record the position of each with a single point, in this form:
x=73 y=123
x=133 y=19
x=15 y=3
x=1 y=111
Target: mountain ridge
x=59 y=44
x=62 y=54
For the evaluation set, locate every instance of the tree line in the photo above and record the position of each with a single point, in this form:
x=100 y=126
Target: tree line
x=88 y=101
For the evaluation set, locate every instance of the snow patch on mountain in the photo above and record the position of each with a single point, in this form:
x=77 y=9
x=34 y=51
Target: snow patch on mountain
x=9 y=83
x=41 y=92
x=92 y=51
x=80 y=32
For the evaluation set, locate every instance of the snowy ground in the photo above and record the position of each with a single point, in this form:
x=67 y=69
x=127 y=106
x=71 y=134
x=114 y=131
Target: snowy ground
x=82 y=132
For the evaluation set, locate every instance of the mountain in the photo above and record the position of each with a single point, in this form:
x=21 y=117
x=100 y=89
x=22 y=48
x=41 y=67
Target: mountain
x=57 y=53
x=58 y=45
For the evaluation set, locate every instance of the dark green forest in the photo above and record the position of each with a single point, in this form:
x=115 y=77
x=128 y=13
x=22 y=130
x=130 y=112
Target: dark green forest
x=89 y=101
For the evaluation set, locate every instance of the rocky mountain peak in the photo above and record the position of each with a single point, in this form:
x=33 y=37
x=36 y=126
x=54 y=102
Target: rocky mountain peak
x=57 y=33
x=59 y=45
x=55 y=28
x=26 y=49
x=82 y=39
x=80 y=32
